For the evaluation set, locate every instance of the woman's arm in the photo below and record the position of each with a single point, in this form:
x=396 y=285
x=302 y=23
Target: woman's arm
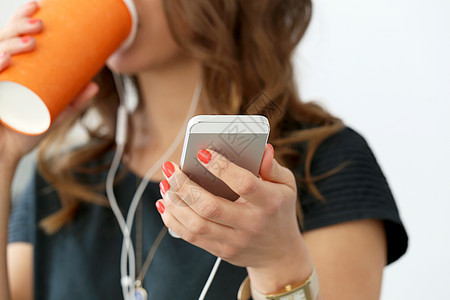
x=20 y=270
x=16 y=259
x=12 y=145
x=260 y=231
x=16 y=263
x=349 y=259
x=6 y=176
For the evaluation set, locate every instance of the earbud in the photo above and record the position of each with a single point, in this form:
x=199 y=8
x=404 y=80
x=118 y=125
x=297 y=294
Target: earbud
x=129 y=98
x=131 y=94
x=121 y=125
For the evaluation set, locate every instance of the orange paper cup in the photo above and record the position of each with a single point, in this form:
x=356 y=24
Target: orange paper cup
x=78 y=38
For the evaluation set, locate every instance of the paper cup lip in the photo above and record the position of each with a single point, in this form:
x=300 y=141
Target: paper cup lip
x=134 y=26
x=23 y=110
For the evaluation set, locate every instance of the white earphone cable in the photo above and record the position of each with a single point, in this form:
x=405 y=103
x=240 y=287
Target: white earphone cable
x=144 y=182
x=127 y=92
x=210 y=279
x=121 y=129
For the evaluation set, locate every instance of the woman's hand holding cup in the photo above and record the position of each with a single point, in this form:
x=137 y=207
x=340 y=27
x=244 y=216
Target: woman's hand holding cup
x=17 y=38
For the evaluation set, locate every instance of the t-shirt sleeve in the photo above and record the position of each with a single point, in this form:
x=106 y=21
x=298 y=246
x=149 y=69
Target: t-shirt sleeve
x=22 y=218
x=358 y=191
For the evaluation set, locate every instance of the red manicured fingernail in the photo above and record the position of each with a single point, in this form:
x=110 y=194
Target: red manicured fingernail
x=25 y=39
x=160 y=206
x=33 y=21
x=164 y=186
x=204 y=155
x=168 y=168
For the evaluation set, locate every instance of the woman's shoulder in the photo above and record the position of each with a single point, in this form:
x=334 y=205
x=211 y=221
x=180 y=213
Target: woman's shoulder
x=347 y=174
x=345 y=146
x=342 y=162
x=346 y=140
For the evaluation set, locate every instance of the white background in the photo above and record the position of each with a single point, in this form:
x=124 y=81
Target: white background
x=384 y=68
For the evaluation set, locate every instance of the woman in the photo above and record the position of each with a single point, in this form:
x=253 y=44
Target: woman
x=320 y=202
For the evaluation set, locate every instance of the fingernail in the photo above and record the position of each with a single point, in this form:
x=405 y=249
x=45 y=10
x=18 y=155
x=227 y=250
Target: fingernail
x=160 y=206
x=33 y=21
x=204 y=155
x=168 y=168
x=25 y=39
x=2 y=54
x=164 y=186
x=31 y=3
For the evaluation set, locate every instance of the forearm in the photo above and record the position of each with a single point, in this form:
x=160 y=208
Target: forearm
x=6 y=175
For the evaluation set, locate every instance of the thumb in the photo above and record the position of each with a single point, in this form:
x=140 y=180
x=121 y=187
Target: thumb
x=267 y=162
x=271 y=170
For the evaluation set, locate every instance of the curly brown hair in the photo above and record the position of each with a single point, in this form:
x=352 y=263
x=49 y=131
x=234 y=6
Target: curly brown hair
x=245 y=48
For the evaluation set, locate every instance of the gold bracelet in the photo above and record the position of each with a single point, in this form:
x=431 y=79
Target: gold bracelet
x=307 y=290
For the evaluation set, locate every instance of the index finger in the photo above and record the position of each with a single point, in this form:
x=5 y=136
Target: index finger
x=26 y=10
x=205 y=204
x=15 y=25
x=240 y=180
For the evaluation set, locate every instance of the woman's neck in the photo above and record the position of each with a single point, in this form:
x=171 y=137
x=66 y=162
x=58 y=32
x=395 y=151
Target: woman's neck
x=166 y=95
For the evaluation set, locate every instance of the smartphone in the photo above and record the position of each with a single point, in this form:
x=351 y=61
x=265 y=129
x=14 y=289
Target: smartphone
x=239 y=138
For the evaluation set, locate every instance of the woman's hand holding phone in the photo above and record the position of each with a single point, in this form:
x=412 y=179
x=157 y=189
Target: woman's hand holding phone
x=259 y=230
x=16 y=38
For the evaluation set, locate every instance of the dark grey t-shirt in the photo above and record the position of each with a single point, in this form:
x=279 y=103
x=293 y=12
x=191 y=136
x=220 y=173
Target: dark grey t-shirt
x=81 y=261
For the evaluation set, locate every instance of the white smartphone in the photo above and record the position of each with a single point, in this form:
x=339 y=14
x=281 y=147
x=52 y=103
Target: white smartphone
x=239 y=138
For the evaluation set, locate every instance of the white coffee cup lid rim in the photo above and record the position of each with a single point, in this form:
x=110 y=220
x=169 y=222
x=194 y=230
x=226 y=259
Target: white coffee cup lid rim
x=134 y=16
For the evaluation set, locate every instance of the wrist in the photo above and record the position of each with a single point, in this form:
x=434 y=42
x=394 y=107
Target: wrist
x=306 y=290
x=296 y=266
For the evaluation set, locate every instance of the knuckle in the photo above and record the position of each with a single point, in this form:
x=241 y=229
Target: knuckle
x=291 y=178
x=246 y=185
x=174 y=200
x=273 y=207
x=278 y=170
x=210 y=210
x=181 y=189
x=11 y=30
x=185 y=193
x=198 y=228
x=168 y=204
x=256 y=227
x=218 y=165
x=178 y=181
x=189 y=237
x=5 y=34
